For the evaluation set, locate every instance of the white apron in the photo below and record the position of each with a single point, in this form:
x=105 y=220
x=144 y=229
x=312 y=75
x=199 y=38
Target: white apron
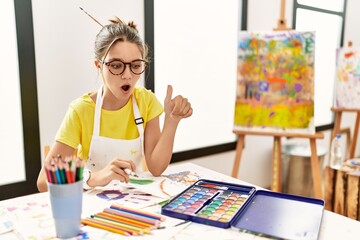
x=104 y=149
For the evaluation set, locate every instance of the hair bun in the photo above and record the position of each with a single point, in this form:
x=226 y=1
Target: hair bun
x=132 y=24
x=117 y=20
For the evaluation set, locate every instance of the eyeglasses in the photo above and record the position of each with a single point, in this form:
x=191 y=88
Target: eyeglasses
x=117 y=67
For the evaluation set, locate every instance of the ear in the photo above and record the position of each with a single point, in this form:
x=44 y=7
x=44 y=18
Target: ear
x=97 y=63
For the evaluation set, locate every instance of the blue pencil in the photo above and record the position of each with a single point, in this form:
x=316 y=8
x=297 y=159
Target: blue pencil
x=58 y=175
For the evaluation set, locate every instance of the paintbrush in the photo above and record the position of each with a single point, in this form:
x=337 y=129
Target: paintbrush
x=91 y=16
x=130 y=173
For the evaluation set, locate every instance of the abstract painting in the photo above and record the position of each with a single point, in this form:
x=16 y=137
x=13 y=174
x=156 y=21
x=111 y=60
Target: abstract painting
x=275 y=81
x=347 y=93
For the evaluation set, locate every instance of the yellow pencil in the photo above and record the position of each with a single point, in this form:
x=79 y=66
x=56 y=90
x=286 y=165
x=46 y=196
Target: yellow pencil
x=121 y=213
x=96 y=225
x=128 y=230
x=126 y=220
x=125 y=226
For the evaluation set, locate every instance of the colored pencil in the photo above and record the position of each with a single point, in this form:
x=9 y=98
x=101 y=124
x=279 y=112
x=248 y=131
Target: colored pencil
x=103 y=222
x=94 y=224
x=68 y=170
x=139 y=212
x=53 y=173
x=156 y=223
x=73 y=170
x=138 y=230
x=79 y=170
x=58 y=175
x=135 y=222
x=49 y=176
x=125 y=220
x=56 y=170
x=135 y=212
x=68 y=173
x=62 y=172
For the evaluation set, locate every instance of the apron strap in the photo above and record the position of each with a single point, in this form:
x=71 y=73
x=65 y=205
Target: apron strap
x=139 y=121
x=98 y=105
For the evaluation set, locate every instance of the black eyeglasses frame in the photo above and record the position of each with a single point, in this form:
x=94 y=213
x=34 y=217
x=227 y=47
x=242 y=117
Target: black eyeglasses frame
x=125 y=63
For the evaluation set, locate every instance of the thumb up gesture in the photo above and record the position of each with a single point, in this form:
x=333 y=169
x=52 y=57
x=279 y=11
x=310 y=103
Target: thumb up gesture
x=178 y=107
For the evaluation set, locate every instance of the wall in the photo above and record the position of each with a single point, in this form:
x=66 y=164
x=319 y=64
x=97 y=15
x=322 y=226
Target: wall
x=210 y=71
x=64 y=40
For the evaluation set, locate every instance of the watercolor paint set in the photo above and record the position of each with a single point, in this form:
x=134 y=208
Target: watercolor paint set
x=245 y=208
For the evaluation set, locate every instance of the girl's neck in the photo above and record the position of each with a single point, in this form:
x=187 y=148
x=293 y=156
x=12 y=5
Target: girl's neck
x=110 y=103
x=113 y=104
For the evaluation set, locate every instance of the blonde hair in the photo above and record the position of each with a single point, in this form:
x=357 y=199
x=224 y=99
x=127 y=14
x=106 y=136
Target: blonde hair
x=117 y=31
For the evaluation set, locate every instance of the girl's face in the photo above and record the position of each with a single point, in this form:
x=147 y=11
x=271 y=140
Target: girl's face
x=121 y=85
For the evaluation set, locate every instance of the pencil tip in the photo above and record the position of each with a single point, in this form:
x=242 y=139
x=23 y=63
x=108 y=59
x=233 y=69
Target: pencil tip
x=81 y=8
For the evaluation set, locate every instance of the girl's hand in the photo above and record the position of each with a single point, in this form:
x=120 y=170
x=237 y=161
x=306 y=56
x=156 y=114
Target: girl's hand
x=178 y=107
x=115 y=170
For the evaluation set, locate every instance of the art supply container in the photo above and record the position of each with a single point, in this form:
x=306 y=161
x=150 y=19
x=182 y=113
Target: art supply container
x=66 y=206
x=244 y=208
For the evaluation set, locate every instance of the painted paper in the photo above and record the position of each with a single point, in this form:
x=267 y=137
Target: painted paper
x=347 y=87
x=275 y=82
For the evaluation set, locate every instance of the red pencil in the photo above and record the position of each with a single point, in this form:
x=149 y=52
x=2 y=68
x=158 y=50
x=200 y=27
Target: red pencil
x=69 y=178
x=49 y=175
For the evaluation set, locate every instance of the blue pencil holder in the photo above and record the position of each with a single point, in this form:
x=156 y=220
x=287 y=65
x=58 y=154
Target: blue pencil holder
x=66 y=207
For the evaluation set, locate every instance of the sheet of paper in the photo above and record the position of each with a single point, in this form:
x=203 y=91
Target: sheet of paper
x=173 y=181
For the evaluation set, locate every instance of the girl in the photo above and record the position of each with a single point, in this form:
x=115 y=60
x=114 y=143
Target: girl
x=116 y=125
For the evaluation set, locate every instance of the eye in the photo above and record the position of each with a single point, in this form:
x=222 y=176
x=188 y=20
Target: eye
x=136 y=65
x=116 y=65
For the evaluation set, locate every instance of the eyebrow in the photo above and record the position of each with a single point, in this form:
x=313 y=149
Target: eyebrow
x=119 y=59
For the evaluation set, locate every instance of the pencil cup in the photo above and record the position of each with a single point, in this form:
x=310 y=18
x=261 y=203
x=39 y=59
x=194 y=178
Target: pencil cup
x=66 y=206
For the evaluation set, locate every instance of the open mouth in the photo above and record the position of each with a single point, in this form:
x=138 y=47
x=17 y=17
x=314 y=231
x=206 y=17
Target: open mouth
x=125 y=87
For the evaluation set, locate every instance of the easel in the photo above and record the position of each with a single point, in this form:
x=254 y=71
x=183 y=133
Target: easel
x=342 y=186
x=337 y=124
x=281 y=25
x=276 y=157
x=276 y=154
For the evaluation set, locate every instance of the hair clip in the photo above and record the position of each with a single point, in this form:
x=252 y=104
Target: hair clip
x=91 y=16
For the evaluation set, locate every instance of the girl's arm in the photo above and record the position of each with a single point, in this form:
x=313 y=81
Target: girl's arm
x=159 y=145
x=114 y=170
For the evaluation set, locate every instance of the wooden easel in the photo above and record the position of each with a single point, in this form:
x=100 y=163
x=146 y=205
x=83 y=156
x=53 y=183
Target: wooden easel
x=276 y=157
x=337 y=124
x=342 y=186
x=281 y=24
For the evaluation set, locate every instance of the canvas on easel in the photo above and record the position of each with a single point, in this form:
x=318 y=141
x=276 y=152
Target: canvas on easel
x=346 y=100
x=275 y=82
x=347 y=93
x=275 y=94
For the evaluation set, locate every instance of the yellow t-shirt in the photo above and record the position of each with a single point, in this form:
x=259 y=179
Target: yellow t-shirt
x=77 y=127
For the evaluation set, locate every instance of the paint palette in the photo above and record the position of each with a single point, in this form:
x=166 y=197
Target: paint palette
x=209 y=202
x=244 y=208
